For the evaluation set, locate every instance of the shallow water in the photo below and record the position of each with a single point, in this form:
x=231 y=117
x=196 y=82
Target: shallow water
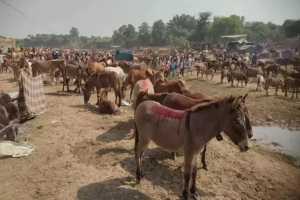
x=284 y=140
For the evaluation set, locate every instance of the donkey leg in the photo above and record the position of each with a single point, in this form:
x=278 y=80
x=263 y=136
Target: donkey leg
x=140 y=146
x=98 y=97
x=203 y=160
x=188 y=165
x=131 y=90
x=194 y=194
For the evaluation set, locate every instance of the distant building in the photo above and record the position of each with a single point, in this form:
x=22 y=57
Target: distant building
x=6 y=43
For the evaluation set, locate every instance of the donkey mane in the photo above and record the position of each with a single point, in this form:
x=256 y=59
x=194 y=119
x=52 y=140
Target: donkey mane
x=215 y=103
x=206 y=105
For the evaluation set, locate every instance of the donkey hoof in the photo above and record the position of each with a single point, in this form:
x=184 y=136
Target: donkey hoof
x=195 y=196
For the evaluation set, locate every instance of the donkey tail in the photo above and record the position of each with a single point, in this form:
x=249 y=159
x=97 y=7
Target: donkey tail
x=187 y=120
x=136 y=138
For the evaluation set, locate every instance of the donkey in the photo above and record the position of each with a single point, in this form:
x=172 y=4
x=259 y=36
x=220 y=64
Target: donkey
x=178 y=102
x=191 y=130
x=275 y=82
x=239 y=76
x=105 y=80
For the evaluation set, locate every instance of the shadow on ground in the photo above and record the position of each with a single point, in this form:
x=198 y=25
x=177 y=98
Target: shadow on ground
x=111 y=189
x=118 y=132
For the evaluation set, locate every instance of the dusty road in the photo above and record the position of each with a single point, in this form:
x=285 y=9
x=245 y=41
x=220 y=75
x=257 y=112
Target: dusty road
x=82 y=155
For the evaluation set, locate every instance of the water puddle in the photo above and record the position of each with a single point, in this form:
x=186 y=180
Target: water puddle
x=283 y=140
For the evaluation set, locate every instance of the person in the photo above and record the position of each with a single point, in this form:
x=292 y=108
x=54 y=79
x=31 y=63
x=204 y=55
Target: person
x=173 y=68
x=181 y=65
x=254 y=59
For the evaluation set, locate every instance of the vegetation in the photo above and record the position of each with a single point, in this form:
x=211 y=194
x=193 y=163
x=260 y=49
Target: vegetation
x=180 y=31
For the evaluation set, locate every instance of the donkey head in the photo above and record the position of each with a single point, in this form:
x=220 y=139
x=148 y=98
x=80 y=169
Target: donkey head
x=237 y=125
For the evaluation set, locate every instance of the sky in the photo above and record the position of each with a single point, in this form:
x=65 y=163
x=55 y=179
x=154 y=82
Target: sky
x=19 y=18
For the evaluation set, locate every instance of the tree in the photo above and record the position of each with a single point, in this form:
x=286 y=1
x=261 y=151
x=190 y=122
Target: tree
x=125 y=36
x=144 y=36
x=226 y=26
x=291 y=28
x=201 y=29
x=74 y=32
x=159 y=33
x=181 y=26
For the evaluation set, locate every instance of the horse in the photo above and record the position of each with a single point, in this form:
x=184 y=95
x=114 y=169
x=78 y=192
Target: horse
x=95 y=67
x=134 y=75
x=169 y=86
x=107 y=107
x=118 y=70
x=141 y=86
x=191 y=129
x=105 y=80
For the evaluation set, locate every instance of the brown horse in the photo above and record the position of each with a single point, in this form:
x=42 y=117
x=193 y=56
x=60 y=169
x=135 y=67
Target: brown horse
x=104 y=80
x=134 y=75
x=169 y=86
x=95 y=67
x=191 y=130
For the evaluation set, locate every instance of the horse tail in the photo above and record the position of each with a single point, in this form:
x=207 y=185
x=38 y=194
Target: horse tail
x=136 y=138
x=187 y=120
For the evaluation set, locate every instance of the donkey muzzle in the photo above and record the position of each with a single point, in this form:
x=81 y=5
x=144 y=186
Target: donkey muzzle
x=243 y=145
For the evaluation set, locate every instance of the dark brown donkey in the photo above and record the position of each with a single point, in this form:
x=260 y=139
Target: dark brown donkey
x=104 y=80
x=174 y=129
x=49 y=66
x=178 y=102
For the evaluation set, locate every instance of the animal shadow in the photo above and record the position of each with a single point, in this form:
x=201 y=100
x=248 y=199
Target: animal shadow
x=118 y=132
x=58 y=94
x=159 y=172
x=111 y=189
x=88 y=107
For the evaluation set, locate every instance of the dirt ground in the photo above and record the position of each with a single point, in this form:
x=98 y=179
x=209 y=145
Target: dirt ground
x=80 y=154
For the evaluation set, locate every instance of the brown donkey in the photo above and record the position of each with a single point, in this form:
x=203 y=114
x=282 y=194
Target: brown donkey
x=178 y=102
x=174 y=129
x=104 y=80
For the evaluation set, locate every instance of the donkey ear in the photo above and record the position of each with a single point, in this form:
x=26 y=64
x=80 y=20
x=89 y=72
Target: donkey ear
x=244 y=97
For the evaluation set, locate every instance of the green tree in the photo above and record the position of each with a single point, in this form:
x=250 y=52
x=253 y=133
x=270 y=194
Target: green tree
x=291 y=28
x=181 y=26
x=201 y=30
x=159 y=33
x=144 y=35
x=226 y=26
x=74 y=32
x=125 y=36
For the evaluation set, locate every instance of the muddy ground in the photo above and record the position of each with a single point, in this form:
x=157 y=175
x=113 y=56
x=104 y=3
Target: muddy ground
x=80 y=154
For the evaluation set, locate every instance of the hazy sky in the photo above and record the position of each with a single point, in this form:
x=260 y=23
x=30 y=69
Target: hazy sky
x=18 y=18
